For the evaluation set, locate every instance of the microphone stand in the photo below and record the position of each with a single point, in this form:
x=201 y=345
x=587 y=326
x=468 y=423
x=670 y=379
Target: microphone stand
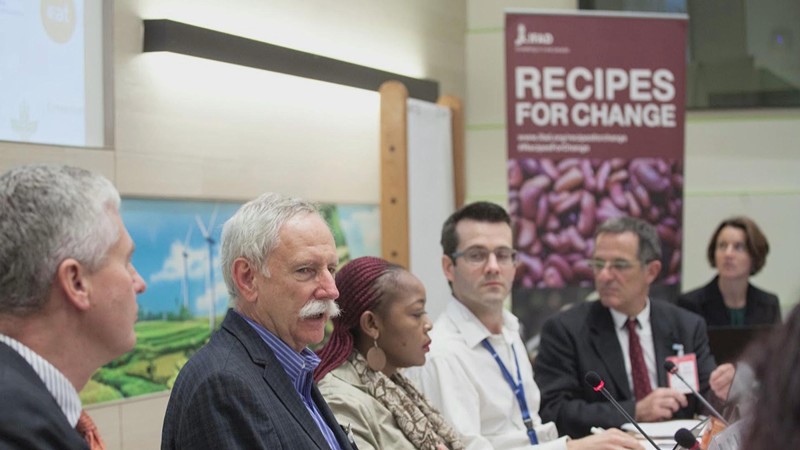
x=670 y=366
x=605 y=393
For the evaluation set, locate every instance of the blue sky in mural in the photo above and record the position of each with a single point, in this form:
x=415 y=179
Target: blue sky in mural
x=160 y=229
x=362 y=229
x=172 y=252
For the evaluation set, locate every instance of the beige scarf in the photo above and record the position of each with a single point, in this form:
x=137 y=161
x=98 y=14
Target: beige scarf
x=417 y=418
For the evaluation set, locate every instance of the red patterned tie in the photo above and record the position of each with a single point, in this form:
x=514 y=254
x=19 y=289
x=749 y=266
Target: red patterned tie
x=88 y=430
x=641 y=380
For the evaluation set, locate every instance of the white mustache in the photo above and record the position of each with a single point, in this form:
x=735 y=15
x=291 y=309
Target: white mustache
x=317 y=307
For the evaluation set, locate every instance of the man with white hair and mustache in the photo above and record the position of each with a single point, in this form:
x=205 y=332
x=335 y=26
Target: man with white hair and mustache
x=252 y=385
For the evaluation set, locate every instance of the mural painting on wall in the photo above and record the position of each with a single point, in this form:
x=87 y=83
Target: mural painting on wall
x=186 y=297
x=595 y=131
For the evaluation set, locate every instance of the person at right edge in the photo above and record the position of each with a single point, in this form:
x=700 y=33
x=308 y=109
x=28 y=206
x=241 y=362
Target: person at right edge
x=775 y=417
x=624 y=337
x=477 y=372
x=737 y=249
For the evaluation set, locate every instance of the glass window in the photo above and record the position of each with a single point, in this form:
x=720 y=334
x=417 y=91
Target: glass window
x=741 y=53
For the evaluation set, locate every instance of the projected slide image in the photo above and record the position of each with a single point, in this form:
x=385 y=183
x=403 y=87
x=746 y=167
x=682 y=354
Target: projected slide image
x=51 y=72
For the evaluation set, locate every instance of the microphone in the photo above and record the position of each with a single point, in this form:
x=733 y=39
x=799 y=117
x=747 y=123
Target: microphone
x=670 y=367
x=597 y=383
x=686 y=439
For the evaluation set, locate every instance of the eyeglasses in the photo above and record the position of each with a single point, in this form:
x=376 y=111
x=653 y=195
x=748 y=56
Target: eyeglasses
x=738 y=247
x=617 y=265
x=477 y=256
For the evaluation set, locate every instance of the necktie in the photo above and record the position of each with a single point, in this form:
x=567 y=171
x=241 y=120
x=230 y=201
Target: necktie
x=641 y=380
x=88 y=430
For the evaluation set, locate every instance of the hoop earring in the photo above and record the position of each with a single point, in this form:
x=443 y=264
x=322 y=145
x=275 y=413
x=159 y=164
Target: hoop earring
x=376 y=357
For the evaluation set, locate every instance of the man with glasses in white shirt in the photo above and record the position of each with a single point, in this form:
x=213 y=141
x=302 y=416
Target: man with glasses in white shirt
x=477 y=372
x=624 y=337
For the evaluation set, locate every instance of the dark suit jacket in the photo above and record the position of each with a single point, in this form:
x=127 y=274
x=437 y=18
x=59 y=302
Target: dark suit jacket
x=761 y=308
x=234 y=394
x=30 y=418
x=583 y=339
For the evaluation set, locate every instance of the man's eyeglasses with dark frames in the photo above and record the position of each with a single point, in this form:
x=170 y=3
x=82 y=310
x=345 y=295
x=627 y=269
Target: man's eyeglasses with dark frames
x=478 y=256
x=615 y=265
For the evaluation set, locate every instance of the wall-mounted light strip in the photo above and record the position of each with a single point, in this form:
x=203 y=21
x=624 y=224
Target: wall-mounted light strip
x=161 y=35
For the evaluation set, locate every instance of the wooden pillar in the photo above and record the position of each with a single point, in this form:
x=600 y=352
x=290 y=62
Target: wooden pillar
x=394 y=173
x=457 y=132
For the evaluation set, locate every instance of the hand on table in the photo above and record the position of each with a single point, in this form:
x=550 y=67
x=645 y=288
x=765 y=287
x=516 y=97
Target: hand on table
x=660 y=405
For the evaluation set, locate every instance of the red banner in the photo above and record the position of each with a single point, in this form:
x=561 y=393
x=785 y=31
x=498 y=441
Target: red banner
x=595 y=120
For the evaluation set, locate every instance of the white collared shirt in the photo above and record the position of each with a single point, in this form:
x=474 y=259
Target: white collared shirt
x=463 y=381
x=645 y=332
x=56 y=383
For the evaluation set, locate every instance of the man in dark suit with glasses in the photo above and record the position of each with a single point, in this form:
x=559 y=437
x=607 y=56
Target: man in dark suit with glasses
x=625 y=337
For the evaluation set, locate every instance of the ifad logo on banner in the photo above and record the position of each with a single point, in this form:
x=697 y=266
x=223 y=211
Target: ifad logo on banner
x=531 y=39
x=595 y=123
x=524 y=37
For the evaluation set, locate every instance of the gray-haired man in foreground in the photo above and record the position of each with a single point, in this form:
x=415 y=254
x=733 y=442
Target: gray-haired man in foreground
x=67 y=301
x=251 y=386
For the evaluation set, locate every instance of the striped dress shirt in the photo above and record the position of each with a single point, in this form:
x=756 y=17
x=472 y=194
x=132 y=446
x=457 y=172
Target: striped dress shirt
x=300 y=368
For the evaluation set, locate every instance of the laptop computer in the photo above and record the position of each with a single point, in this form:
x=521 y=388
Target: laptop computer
x=728 y=343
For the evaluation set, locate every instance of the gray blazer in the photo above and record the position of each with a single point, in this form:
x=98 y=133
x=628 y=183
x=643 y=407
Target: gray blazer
x=30 y=418
x=234 y=394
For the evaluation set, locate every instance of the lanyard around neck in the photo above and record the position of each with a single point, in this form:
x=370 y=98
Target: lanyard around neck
x=516 y=387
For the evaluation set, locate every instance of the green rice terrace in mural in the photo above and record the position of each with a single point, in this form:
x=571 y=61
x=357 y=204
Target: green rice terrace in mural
x=186 y=297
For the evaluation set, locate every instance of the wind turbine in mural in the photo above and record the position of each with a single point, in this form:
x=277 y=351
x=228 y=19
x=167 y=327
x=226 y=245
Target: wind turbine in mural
x=185 y=254
x=208 y=235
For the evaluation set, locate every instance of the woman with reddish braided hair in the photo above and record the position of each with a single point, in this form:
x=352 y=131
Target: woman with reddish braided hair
x=383 y=327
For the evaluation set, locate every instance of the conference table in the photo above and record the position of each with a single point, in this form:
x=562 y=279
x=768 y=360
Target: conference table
x=663 y=433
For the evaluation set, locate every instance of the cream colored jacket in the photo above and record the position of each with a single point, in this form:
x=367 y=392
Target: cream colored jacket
x=372 y=424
